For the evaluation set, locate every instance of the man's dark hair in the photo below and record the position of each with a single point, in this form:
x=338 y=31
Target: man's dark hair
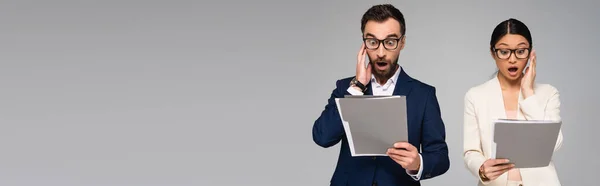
x=380 y=13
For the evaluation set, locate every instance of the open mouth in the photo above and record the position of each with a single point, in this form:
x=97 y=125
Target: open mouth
x=381 y=64
x=513 y=69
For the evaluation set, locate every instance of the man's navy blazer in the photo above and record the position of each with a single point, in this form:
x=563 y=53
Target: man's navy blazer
x=426 y=132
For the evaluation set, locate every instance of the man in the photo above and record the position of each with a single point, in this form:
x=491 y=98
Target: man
x=383 y=30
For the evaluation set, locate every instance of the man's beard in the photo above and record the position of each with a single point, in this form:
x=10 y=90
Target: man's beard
x=385 y=74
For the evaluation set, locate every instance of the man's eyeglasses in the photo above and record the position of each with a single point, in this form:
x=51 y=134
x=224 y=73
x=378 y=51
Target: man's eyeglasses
x=388 y=43
x=520 y=53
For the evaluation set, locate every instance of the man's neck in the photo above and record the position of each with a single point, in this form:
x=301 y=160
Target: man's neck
x=381 y=81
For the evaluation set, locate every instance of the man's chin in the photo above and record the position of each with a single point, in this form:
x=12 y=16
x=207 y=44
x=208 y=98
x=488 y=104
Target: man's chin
x=381 y=73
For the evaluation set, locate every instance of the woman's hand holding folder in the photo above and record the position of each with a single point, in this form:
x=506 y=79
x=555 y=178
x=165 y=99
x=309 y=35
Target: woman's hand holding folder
x=493 y=168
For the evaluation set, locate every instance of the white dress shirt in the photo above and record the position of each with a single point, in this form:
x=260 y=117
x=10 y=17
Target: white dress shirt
x=387 y=89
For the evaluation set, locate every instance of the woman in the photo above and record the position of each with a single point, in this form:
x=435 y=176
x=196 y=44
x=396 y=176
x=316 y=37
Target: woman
x=510 y=94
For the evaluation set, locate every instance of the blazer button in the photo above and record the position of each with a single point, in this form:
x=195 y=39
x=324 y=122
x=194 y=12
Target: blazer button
x=374 y=158
x=374 y=183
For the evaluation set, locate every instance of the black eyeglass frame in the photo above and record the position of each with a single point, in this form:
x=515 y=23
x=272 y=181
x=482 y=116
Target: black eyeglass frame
x=512 y=51
x=379 y=41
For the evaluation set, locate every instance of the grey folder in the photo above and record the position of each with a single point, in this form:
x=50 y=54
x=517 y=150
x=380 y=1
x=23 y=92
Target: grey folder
x=373 y=123
x=527 y=144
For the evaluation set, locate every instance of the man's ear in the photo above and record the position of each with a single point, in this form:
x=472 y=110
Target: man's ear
x=403 y=42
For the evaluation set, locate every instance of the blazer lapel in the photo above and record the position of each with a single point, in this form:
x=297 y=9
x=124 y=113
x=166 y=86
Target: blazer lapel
x=495 y=106
x=496 y=100
x=403 y=85
x=519 y=112
x=499 y=112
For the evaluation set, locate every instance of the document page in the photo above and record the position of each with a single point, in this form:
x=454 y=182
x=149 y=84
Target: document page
x=526 y=143
x=373 y=123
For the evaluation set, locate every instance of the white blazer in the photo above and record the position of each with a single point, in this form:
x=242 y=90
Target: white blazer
x=483 y=104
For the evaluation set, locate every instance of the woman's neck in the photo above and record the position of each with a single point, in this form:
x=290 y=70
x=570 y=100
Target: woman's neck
x=509 y=85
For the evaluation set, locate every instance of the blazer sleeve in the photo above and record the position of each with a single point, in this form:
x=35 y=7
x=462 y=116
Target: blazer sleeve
x=435 y=150
x=473 y=154
x=328 y=129
x=537 y=107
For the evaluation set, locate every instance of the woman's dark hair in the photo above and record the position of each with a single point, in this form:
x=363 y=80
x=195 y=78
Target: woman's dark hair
x=510 y=26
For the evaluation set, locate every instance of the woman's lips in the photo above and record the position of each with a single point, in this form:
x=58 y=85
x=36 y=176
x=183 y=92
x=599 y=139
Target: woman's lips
x=513 y=71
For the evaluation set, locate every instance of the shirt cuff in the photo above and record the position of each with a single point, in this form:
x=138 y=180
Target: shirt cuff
x=417 y=176
x=354 y=92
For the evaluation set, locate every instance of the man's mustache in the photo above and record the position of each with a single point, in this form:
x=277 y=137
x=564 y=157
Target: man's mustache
x=380 y=61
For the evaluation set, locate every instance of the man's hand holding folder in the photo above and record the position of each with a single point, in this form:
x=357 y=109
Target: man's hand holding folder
x=406 y=155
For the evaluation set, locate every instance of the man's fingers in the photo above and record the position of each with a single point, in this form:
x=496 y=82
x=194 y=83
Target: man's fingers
x=360 y=55
x=400 y=152
x=362 y=49
x=402 y=157
x=395 y=157
x=398 y=159
x=404 y=161
x=405 y=145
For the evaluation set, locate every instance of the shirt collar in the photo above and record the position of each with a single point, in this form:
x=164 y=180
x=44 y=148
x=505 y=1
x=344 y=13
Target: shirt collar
x=392 y=79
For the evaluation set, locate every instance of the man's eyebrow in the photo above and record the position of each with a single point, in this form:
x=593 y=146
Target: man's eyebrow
x=392 y=35
x=388 y=36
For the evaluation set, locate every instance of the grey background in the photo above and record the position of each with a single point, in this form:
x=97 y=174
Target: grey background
x=225 y=92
